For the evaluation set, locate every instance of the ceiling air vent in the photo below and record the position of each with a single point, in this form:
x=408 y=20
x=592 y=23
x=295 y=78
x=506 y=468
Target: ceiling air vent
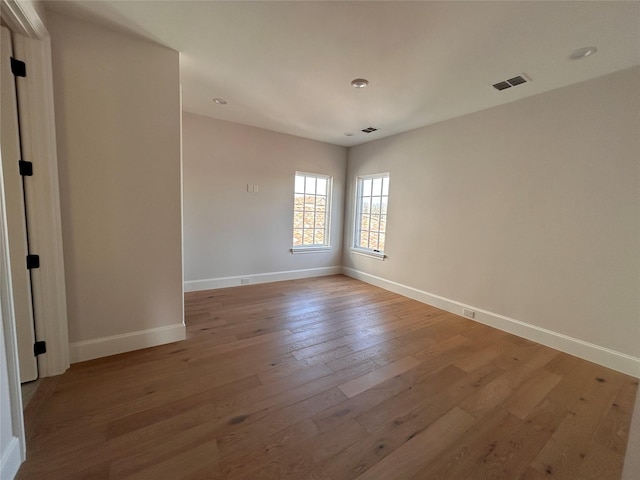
x=512 y=82
x=369 y=130
x=501 y=86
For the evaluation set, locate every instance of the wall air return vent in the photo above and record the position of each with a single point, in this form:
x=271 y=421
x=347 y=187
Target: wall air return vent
x=512 y=82
x=369 y=130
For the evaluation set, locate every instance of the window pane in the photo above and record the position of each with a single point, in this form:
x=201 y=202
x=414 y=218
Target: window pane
x=321 y=186
x=309 y=219
x=366 y=205
x=366 y=187
x=364 y=223
x=383 y=223
x=373 y=242
x=381 y=242
x=375 y=205
x=374 y=224
x=319 y=237
x=321 y=204
x=298 y=201
x=364 y=240
x=310 y=186
x=299 y=188
x=297 y=219
x=377 y=186
x=308 y=237
x=297 y=237
x=385 y=186
x=309 y=203
x=383 y=208
x=320 y=218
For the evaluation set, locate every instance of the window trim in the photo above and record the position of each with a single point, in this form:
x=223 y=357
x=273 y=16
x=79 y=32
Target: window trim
x=368 y=253
x=316 y=248
x=355 y=248
x=310 y=249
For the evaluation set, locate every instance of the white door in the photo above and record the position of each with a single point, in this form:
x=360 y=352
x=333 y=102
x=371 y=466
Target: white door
x=16 y=221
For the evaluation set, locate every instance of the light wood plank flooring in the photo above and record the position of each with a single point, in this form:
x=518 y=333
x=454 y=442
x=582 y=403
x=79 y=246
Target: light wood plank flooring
x=330 y=379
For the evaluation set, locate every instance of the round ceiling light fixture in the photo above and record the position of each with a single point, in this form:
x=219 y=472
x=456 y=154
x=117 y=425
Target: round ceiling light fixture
x=359 y=82
x=219 y=101
x=583 y=53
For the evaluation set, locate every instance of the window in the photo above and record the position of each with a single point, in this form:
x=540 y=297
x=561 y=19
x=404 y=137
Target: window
x=371 y=214
x=312 y=200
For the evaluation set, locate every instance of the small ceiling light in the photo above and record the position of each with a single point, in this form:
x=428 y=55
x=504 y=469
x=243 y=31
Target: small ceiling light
x=219 y=101
x=583 y=53
x=348 y=134
x=360 y=83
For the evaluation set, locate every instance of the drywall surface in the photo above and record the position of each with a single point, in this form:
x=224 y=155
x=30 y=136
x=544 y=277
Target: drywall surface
x=530 y=210
x=229 y=232
x=117 y=102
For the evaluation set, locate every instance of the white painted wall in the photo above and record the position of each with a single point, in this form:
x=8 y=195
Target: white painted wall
x=229 y=232
x=530 y=210
x=117 y=103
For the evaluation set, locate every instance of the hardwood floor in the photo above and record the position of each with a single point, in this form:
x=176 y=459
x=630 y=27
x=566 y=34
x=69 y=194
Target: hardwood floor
x=330 y=379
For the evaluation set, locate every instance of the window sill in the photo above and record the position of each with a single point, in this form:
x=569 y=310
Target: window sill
x=368 y=253
x=298 y=250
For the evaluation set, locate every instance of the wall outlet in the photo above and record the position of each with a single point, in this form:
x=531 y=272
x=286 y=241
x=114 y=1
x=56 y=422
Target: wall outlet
x=467 y=312
x=245 y=281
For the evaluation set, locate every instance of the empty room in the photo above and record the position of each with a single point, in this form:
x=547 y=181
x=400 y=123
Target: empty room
x=320 y=240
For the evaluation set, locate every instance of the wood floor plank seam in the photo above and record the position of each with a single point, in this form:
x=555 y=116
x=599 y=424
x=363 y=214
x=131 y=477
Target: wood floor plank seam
x=369 y=380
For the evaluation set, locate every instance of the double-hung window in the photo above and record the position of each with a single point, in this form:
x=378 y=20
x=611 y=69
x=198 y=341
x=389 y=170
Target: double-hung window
x=372 y=199
x=311 y=212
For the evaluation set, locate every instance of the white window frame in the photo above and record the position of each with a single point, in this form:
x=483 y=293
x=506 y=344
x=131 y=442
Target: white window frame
x=326 y=246
x=356 y=248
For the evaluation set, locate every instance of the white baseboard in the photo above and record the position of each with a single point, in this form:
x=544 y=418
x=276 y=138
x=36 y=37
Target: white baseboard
x=126 y=342
x=224 y=282
x=594 y=353
x=11 y=460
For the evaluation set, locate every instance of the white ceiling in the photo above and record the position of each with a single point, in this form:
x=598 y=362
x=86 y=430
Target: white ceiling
x=287 y=66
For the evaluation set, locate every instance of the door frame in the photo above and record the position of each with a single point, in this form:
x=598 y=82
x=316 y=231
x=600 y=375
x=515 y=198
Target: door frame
x=13 y=454
x=37 y=121
x=16 y=221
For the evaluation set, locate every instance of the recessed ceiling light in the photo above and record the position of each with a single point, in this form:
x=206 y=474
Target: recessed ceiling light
x=360 y=82
x=348 y=134
x=219 y=101
x=583 y=53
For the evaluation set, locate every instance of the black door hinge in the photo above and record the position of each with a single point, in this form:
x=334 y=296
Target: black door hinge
x=39 y=348
x=26 y=168
x=33 y=261
x=18 y=68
